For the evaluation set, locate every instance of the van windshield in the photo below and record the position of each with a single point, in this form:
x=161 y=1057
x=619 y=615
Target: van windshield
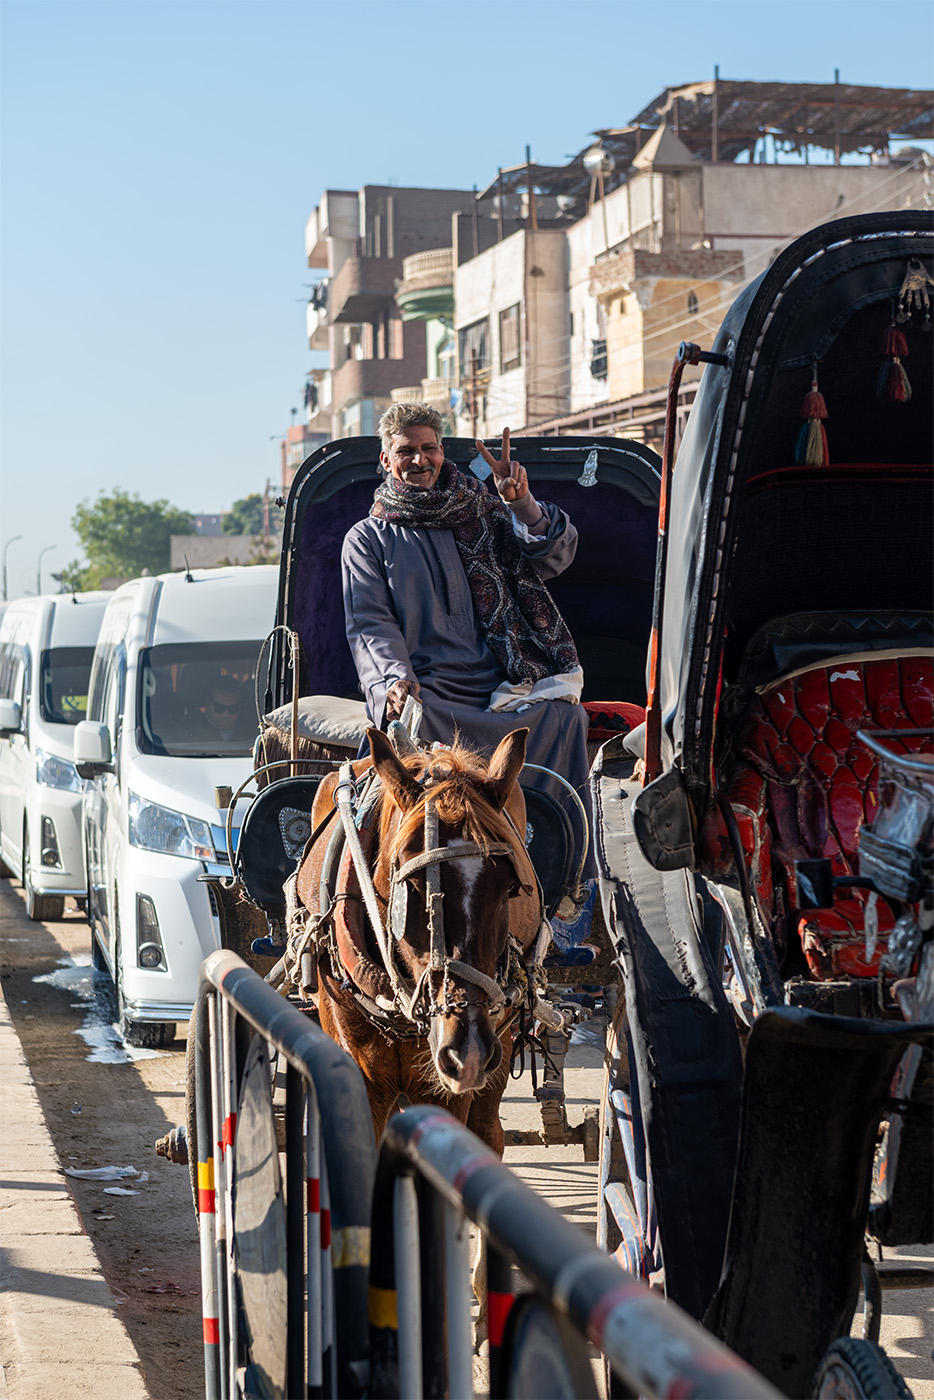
x=196 y=700
x=63 y=685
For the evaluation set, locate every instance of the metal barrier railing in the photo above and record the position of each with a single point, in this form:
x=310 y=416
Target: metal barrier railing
x=433 y=1175
x=307 y=1330
x=301 y=1299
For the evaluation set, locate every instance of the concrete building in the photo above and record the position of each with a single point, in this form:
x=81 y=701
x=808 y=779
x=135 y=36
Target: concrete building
x=299 y=442
x=663 y=221
x=361 y=239
x=555 y=299
x=426 y=293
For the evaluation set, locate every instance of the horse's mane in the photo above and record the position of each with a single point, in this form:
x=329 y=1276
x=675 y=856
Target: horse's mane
x=454 y=778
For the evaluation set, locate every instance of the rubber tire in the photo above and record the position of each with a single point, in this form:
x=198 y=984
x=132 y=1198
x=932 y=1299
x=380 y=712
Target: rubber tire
x=857 y=1369
x=141 y=1035
x=98 y=960
x=40 y=908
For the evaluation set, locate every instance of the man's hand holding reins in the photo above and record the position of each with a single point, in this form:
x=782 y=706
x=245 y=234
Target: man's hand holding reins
x=512 y=483
x=396 y=696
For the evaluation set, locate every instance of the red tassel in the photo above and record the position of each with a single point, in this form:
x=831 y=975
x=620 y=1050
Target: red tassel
x=894 y=342
x=811 y=449
x=893 y=385
x=814 y=405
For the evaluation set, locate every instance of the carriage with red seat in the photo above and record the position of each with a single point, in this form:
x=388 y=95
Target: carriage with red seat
x=765 y=841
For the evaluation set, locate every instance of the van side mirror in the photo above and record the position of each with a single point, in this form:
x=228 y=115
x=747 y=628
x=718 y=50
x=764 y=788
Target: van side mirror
x=93 y=749
x=11 y=718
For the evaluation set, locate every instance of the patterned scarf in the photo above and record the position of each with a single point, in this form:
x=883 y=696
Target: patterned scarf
x=523 y=627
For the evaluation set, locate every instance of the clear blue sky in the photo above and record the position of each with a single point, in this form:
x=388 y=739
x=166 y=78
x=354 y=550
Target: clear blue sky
x=159 y=161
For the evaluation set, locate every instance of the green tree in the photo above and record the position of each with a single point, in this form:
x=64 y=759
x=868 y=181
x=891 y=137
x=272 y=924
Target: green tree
x=245 y=516
x=122 y=535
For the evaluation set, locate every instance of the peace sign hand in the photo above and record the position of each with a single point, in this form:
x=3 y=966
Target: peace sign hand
x=510 y=478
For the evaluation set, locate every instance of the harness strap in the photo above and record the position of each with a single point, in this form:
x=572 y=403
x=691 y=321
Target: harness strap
x=470 y=974
x=437 y=853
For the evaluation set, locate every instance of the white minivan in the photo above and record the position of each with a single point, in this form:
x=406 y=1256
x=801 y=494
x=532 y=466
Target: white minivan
x=171 y=718
x=46 y=648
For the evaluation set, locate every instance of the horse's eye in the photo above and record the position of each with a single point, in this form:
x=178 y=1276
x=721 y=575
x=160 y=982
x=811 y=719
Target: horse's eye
x=515 y=889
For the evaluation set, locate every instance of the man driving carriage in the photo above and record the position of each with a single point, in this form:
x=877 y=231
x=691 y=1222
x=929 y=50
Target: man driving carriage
x=445 y=600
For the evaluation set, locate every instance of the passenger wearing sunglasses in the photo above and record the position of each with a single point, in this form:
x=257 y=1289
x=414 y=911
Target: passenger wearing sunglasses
x=224 y=709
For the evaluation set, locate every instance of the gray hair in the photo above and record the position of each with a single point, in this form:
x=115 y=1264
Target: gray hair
x=408 y=415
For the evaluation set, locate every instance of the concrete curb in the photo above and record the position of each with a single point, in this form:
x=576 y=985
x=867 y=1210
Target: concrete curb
x=60 y=1329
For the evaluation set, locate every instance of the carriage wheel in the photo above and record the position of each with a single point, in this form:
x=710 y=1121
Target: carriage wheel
x=543 y=1355
x=856 y=1369
x=621 y=1230
x=678 y=1125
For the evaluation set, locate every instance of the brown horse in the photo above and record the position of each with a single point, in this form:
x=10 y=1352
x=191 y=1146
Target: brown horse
x=451 y=882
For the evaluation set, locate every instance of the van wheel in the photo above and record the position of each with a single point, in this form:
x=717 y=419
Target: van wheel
x=41 y=908
x=141 y=1035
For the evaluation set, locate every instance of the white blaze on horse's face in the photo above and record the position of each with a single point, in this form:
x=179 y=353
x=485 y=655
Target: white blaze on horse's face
x=464 y=1045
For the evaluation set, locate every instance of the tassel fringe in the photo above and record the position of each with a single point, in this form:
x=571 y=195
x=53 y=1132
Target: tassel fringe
x=892 y=385
x=811 y=447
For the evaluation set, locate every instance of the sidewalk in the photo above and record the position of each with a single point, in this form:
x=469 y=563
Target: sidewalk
x=60 y=1329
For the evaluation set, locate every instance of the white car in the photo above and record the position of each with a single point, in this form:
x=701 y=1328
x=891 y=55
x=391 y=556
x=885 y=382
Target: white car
x=171 y=720
x=46 y=648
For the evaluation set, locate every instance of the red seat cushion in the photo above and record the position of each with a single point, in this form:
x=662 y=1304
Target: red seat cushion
x=799 y=735
x=607 y=718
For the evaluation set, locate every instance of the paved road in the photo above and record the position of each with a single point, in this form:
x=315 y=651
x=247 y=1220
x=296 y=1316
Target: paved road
x=99 y=1288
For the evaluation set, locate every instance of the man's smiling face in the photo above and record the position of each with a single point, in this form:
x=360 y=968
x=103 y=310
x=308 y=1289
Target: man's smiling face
x=415 y=455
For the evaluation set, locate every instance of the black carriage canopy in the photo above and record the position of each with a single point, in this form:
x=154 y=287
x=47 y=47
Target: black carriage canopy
x=773 y=565
x=609 y=488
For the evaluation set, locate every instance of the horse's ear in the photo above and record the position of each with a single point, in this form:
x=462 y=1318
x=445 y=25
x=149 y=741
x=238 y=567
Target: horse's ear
x=505 y=767
x=393 y=773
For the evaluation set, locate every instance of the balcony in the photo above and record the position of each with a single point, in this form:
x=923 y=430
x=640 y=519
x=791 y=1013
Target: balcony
x=436 y=392
x=362 y=289
x=620 y=271
x=367 y=379
x=316 y=327
x=426 y=289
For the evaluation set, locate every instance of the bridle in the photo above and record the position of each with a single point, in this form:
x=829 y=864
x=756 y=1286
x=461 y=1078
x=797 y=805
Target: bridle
x=414 y=1002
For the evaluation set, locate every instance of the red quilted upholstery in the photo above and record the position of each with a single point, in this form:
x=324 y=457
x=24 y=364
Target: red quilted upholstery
x=799 y=737
x=607 y=718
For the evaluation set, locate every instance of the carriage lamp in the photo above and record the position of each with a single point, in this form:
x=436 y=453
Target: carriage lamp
x=51 y=855
x=150 y=953
x=55 y=772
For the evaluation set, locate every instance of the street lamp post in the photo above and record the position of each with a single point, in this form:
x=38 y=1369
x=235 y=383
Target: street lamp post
x=39 y=566
x=11 y=540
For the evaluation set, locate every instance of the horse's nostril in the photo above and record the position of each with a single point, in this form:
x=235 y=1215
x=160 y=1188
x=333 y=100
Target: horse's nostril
x=494 y=1057
x=448 y=1063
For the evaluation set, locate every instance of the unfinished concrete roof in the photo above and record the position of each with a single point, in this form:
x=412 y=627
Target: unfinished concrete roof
x=831 y=115
x=835 y=116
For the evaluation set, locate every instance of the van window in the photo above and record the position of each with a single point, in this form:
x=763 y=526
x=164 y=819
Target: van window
x=13 y=673
x=64 y=675
x=196 y=699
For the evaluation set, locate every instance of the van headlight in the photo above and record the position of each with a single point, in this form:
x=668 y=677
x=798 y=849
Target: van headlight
x=156 y=828
x=55 y=772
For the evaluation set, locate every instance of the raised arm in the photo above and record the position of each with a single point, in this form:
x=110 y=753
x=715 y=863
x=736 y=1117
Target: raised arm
x=549 y=540
x=512 y=482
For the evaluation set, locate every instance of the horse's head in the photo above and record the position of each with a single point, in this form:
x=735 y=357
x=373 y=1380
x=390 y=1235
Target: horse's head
x=454 y=871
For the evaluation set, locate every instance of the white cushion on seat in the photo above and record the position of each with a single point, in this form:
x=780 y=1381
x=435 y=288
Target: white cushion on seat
x=326 y=719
